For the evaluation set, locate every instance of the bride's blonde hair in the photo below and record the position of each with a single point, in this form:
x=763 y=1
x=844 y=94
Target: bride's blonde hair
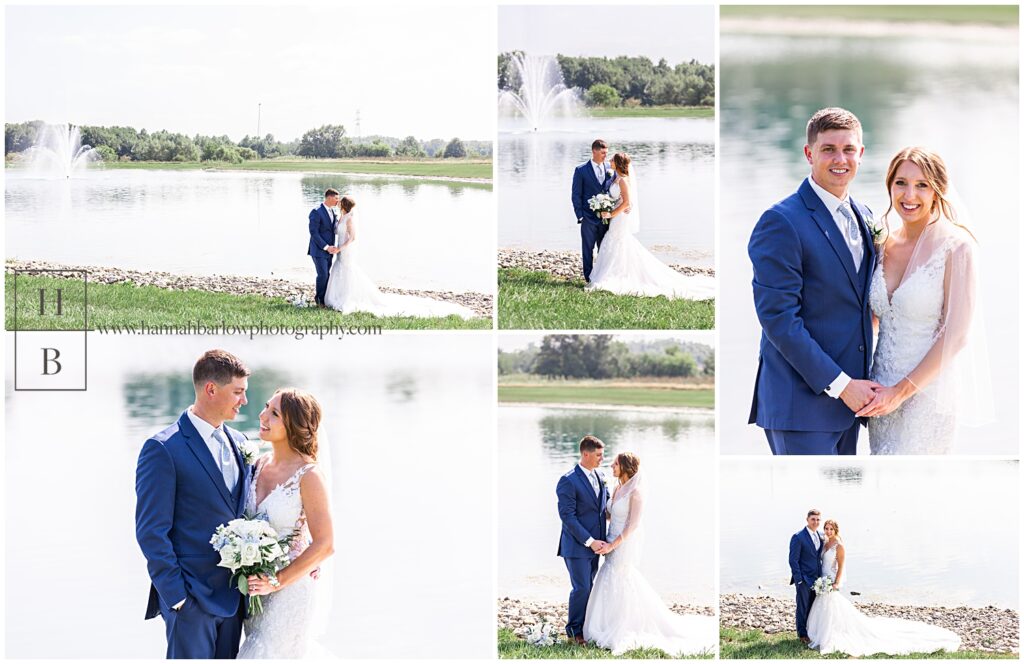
x=629 y=465
x=621 y=162
x=835 y=527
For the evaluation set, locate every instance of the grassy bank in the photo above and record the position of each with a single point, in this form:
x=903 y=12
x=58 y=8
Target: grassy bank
x=755 y=644
x=111 y=305
x=612 y=396
x=535 y=300
x=654 y=112
x=1005 y=15
x=439 y=168
x=511 y=646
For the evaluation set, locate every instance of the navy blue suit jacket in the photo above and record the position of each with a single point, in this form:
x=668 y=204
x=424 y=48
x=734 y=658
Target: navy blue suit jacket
x=181 y=499
x=582 y=514
x=584 y=187
x=321 y=231
x=804 y=561
x=813 y=307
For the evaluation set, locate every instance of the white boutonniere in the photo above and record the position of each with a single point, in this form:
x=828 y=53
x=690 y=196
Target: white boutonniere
x=878 y=228
x=250 y=451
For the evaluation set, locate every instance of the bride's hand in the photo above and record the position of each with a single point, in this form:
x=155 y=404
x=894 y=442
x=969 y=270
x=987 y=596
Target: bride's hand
x=260 y=585
x=887 y=399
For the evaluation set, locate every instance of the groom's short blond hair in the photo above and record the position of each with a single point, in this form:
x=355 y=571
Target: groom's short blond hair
x=811 y=513
x=832 y=117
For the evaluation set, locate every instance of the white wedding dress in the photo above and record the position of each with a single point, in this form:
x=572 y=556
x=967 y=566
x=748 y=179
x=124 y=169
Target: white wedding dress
x=626 y=267
x=283 y=629
x=907 y=327
x=349 y=289
x=834 y=624
x=624 y=612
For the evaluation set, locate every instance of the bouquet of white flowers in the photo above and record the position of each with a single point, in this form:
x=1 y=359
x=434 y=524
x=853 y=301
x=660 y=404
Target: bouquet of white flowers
x=601 y=203
x=540 y=635
x=823 y=585
x=247 y=547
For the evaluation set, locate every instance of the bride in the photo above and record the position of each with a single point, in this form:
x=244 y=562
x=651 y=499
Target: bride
x=930 y=353
x=624 y=612
x=623 y=265
x=349 y=289
x=835 y=625
x=290 y=491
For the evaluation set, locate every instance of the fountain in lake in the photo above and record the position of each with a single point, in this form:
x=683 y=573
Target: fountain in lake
x=59 y=153
x=541 y=93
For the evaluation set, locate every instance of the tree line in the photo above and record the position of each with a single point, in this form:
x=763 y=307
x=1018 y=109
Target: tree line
x=328 y=141
x=630 y=81
x=599 y=356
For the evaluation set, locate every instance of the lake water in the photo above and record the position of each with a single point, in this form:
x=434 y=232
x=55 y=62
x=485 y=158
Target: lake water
x=409 y=420
x=920 y=532
x=674 y=159
x=958 y=96
x=537 y=445
x=413 y=233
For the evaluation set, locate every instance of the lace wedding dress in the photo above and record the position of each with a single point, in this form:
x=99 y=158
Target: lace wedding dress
x=626 y=267
x=624 y=612
x=349 y=289
x=836 y=625
x=908 y=323
x=282 y=629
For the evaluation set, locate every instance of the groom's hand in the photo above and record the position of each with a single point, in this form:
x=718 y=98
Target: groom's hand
x=597 y=545
x=859 y=393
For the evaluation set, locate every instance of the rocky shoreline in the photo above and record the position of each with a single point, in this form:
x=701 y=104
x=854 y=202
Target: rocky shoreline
x=481 y=303
x=988 y=629
x=519 y=614
x=566 y=264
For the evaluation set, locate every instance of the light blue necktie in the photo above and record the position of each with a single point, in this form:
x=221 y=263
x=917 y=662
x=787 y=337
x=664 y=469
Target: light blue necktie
x=853 y=238
x=226 y=459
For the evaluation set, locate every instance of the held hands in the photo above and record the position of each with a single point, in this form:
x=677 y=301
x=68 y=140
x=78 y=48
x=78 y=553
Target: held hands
x=887 y=399
x=260 y=585
x=859 y=393
x=333 y=250
x=597 y=545
x=607 y=548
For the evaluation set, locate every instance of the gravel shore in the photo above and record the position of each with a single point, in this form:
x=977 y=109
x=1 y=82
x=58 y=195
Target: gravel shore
x=988 y=629
x=518 y=614
x=480 y=303
x=566 y=264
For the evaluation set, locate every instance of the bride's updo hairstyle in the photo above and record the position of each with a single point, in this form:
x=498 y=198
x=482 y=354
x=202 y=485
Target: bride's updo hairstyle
x=621 y=162
x=347 y=203
x=629 y=464
x=935 y=173
x=835 y=527
x=300 y=413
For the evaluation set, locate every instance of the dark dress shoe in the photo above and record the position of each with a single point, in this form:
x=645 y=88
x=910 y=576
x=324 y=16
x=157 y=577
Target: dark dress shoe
x=580 y=641
x=804 y=640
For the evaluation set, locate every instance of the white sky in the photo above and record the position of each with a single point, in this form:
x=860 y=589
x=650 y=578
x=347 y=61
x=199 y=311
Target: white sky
x=425 y=71
x=678 y=34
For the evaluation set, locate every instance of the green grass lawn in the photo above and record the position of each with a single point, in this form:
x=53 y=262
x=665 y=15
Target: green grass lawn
x=535 y=300
x=448 y=168
x=128 y=305
x=617 y=396
x=991 y=14
x=755 y=644
x=511 y=646
x=653 y=112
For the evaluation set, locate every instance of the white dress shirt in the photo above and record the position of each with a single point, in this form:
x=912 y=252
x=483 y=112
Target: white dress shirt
x=836 y=387
x=596 y=485
x=205 y=430
x=815 y=539
x=600 y=171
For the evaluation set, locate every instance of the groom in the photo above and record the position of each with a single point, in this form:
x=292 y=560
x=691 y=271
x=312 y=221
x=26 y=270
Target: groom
x=190 y=479
x=813 y=258
x=323 y=222
x=591 y=178
x=582 y=500
x=805 y=568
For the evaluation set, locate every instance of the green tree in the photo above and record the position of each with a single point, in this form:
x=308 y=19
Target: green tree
x=455 y=149
x=322 y=142
x=602 y=94
x=410 y=147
